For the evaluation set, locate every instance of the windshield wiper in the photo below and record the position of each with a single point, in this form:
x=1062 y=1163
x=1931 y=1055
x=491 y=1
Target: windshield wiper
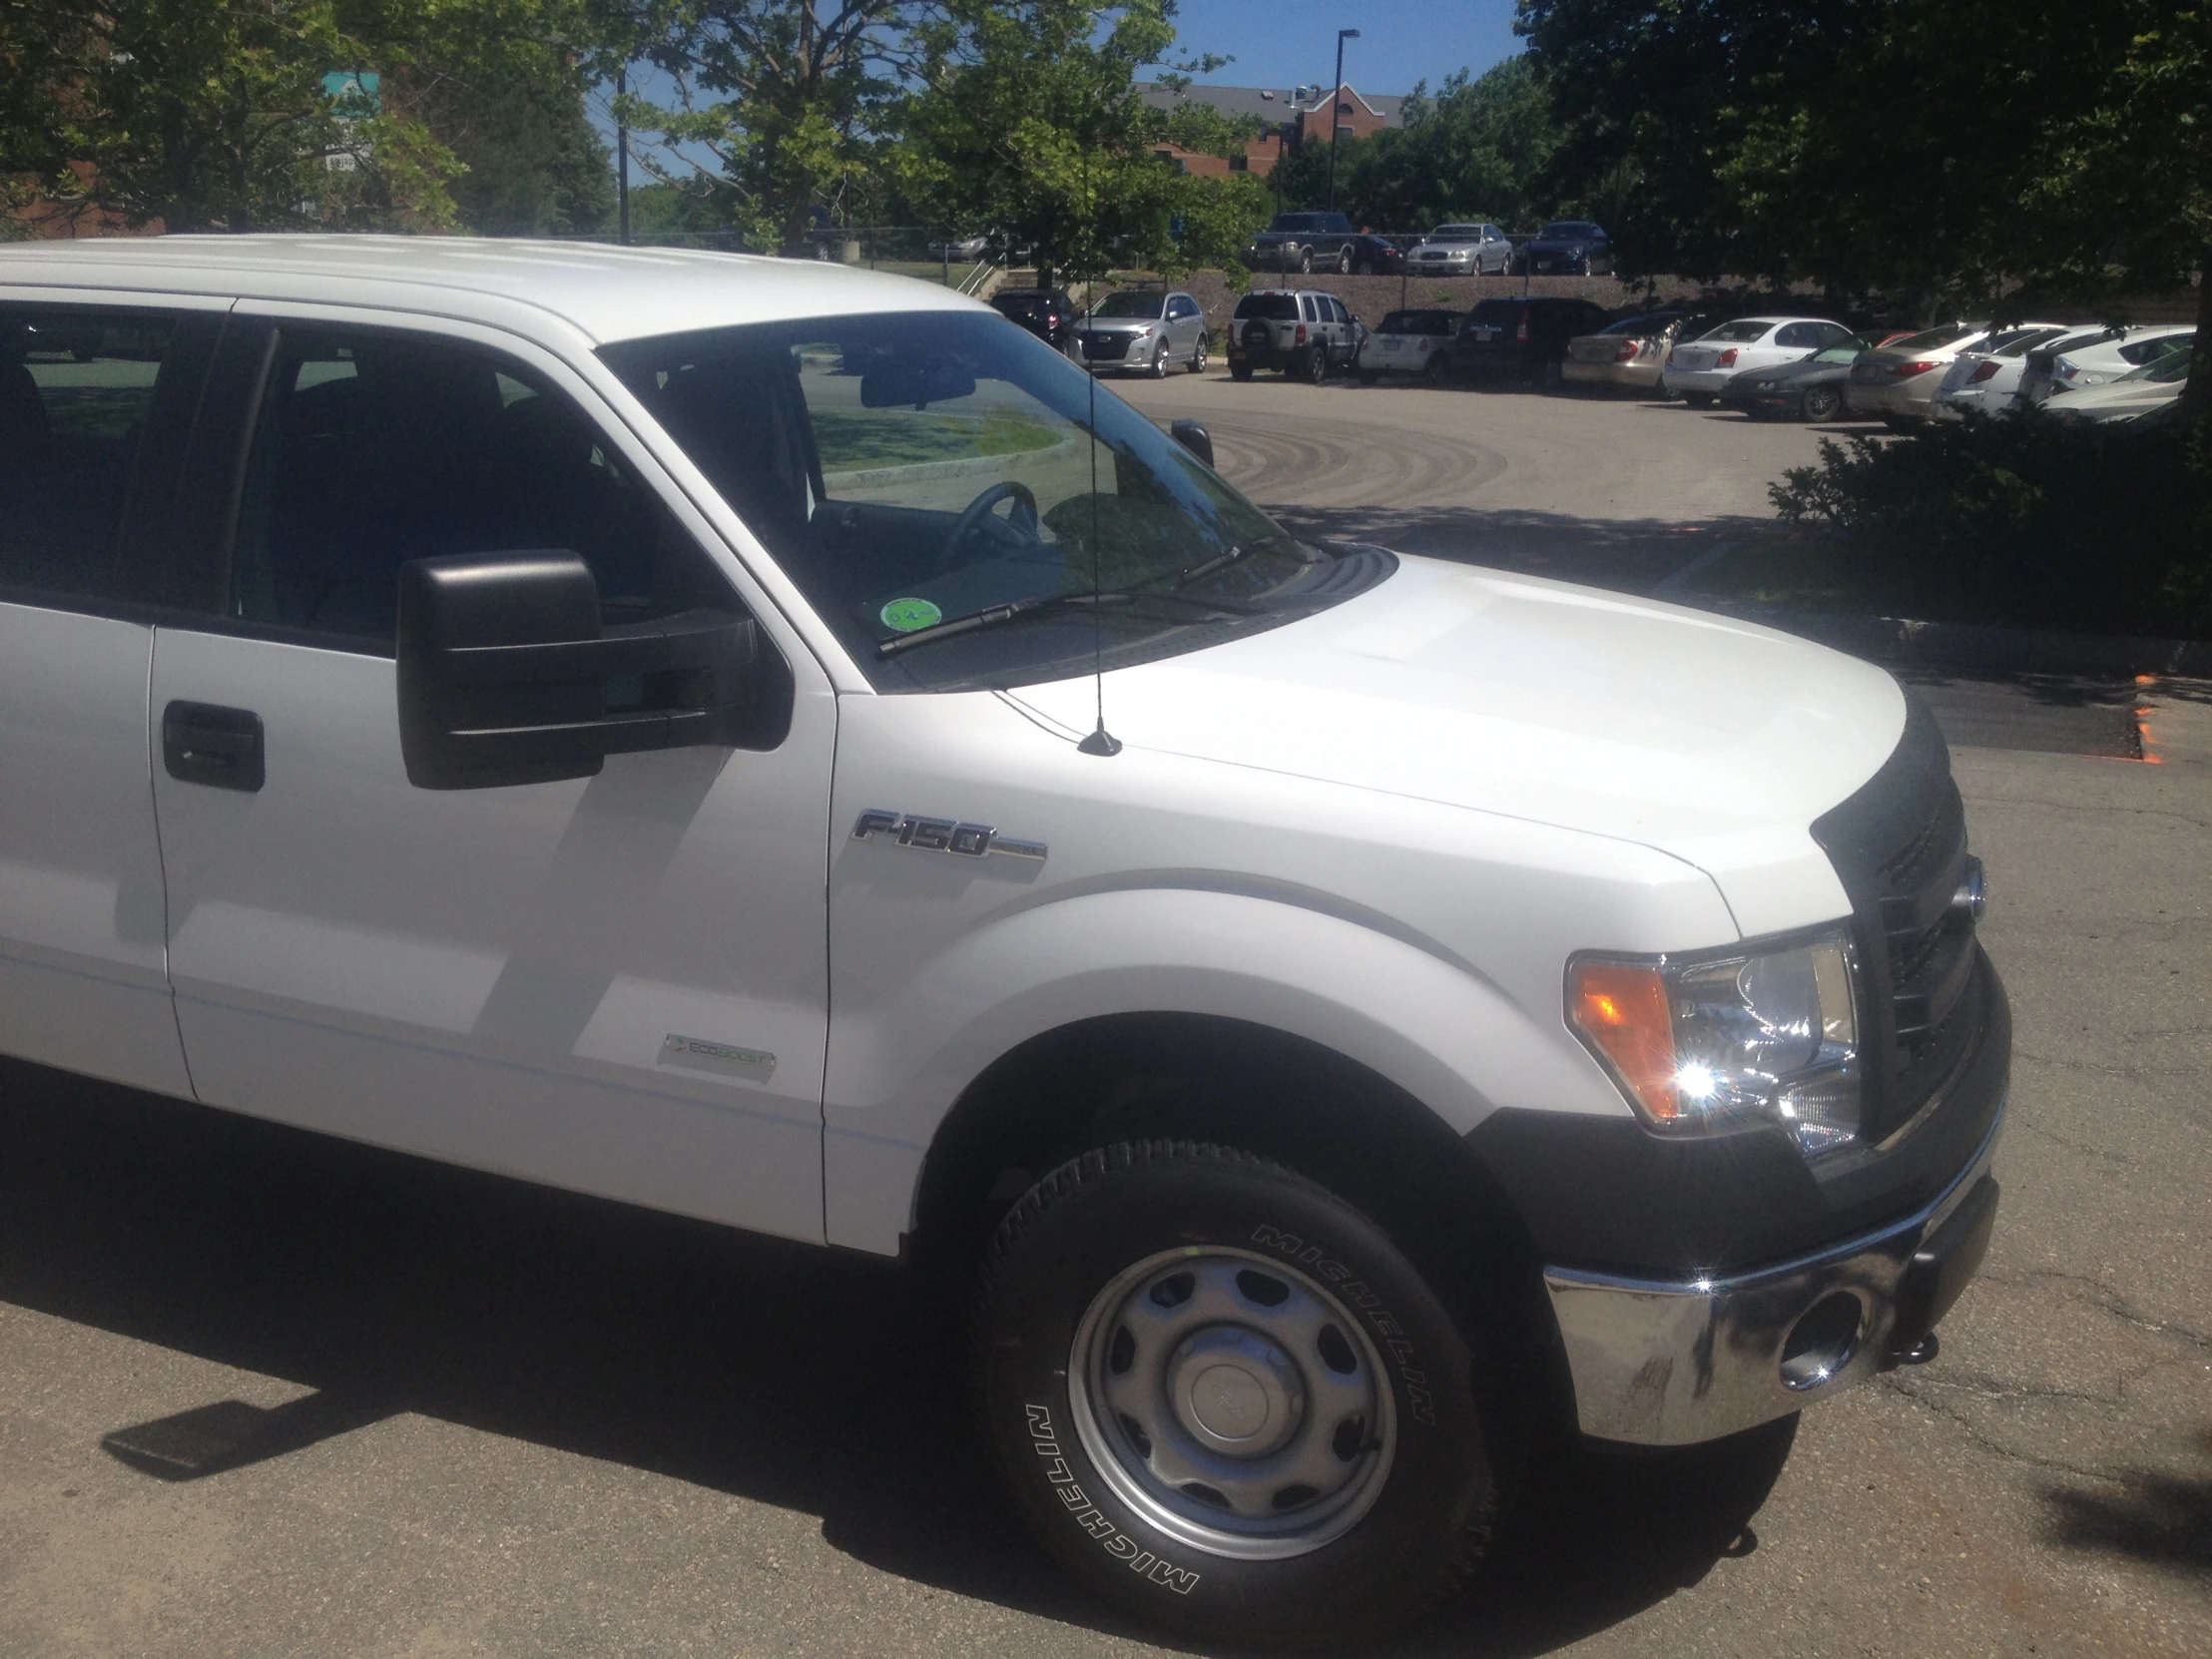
x=1013 y=608
x=1229 y=556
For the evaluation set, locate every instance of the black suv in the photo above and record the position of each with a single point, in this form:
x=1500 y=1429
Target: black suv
x=1526 y=337
x=1046 y=313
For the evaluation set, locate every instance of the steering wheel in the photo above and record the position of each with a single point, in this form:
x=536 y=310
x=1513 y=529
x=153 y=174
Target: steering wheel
x=1021 y=522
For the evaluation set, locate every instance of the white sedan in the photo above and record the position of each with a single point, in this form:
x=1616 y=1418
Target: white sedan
x=1696 y=371
x=2133 y=394
x=2108 y=360
x=1985 y=378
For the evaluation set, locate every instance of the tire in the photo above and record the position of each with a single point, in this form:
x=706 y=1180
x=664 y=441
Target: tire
x=1159 y=369
x=1820 y=403
x=1305 y=260
x=1100 y=1285
x=1240 y=372
x=1313 y=368
x=1198 y=357
x=1365 y=267
x=1343 y=262
x=1698 y=400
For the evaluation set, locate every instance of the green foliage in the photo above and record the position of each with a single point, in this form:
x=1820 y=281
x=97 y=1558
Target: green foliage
x=1028 y=122
x=214 y=115
x=1480 y=148
x=1935 y=150
x=2030 y=520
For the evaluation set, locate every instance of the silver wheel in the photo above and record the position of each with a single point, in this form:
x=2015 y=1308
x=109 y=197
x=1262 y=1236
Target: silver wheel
x=1198 y=357
x=1233 y=1403
x=1160 y=362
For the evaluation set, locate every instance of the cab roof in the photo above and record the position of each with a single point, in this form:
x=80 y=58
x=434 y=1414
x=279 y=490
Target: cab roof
x=606 y=293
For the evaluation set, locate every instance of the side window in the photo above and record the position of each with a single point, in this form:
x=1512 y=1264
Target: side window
x=1306 y=307
x=374 y=448
x=76 y=390
x=1800 y=336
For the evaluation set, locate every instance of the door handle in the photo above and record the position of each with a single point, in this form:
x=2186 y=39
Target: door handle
x=203 y=743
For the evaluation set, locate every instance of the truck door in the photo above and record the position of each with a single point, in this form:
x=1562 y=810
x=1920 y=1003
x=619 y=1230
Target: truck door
x=613 y=984
x=95 y=405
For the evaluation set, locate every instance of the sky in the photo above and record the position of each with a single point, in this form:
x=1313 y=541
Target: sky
x=1281 y=42
x=1286 y=43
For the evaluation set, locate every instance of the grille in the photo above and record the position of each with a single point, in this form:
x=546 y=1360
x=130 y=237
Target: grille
x=1105 y=346
x=1899 y=846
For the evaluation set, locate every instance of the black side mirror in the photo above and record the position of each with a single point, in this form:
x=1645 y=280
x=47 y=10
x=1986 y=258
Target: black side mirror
x=504 y=669
x=1192 y=435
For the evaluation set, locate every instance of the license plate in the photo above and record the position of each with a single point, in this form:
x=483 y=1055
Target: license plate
x=1488 y=333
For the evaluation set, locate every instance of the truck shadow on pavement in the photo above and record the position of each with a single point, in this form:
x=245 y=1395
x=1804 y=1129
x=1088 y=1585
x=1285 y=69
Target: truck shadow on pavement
x=812 y=1381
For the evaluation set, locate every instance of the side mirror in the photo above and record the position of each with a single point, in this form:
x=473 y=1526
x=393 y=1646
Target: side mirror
x=1192 y=435
x=504 y=667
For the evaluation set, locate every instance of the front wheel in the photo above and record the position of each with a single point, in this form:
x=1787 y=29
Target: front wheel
x=1160 y=361
x=1198 y=357
x=1305 y=259
x=1228 y=1402
x=1343 y=262
x=1823 y=404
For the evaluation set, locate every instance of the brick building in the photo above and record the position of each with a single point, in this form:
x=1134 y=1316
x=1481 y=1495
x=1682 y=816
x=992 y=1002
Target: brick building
x=1298 y=115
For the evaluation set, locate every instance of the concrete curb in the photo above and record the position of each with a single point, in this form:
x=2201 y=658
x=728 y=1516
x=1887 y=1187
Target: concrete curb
x=1974 y=645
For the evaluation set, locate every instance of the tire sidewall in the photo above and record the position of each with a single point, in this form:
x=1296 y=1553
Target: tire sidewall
x=1435 y=1504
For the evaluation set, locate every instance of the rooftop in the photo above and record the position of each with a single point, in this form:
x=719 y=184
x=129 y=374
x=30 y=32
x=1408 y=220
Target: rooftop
x=604 y=292
x=1273 y=103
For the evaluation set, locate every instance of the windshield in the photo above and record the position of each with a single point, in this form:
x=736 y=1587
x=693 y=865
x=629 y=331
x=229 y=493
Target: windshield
x=1840 y=353
x=1419 y=322
x=2147 y=350
x=1131 y=305
x=913 y=469
x=2166 y=369
x=1570 y=227
x=1456 y=232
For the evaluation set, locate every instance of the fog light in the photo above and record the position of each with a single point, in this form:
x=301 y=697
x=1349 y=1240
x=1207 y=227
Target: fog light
x=1822 y=1343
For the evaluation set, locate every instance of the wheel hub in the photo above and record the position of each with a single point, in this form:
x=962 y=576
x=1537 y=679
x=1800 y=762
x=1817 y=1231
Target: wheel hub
x=1235 y=1390
x=1233 y=1401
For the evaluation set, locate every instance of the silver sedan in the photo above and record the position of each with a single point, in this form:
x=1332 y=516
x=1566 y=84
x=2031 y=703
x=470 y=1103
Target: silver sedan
x=1146 y=330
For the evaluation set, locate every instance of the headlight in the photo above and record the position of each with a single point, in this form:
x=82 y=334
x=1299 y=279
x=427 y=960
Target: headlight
x=1715 y=1042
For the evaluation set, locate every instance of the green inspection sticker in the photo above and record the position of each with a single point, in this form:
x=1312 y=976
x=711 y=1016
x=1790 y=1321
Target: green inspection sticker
x=904 y=616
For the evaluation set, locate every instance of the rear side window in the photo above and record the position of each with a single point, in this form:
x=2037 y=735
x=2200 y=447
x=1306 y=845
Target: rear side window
x=2142 y=352
x=375 y=448
x=1306 y=307
x=77 y=390
x=1272 y=307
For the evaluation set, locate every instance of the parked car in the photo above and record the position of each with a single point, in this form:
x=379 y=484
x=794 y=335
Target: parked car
x=1897 y=384
x=1046 y=313
x=1467 y=250
x=2119 y=353
x=1410 y=342
x=1526 y=337
x=970 y=246
x=2134 y=394
x=1304 y=332
x=2040 y=363
x=1987 y=380
x=1566 y=247
x=1697 y=370
x=1301 y=240
x=1812 y=388
x=1371 y=255
x=1340 y=1013
x=1632 y=352
x=1146 y=330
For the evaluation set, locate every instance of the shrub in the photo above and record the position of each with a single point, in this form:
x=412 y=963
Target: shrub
x=2031 y=520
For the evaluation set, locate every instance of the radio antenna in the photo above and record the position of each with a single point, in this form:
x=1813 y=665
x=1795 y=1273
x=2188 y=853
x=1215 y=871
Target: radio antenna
x=1101 y=741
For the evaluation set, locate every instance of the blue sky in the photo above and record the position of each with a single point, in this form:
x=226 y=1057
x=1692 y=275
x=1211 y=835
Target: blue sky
x=1279 y=43
x=1282 y=43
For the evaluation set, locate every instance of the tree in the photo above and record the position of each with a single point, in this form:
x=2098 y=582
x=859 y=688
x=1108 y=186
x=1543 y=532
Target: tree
x=1029 y=121
x=224 y=115
x=790 y=95
x=1479 y=149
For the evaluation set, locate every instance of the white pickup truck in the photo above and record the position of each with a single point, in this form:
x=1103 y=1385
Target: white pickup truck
x=781 y=744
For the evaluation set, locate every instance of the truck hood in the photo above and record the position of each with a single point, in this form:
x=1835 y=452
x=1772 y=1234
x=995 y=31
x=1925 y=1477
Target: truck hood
x=1715 y=741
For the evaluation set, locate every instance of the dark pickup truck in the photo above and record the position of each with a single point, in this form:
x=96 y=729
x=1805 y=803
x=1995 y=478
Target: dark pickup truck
x=1300 y=241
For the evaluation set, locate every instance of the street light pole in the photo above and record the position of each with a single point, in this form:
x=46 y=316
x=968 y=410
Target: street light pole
x=1335 y=95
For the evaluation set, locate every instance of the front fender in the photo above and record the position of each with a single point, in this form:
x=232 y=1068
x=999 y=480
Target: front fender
x=1381 y=996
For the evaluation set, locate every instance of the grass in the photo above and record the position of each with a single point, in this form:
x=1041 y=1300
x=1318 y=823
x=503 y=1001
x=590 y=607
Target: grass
x=853 y=439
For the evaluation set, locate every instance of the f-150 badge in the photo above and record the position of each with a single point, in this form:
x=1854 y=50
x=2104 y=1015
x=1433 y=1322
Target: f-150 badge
x=944 y=834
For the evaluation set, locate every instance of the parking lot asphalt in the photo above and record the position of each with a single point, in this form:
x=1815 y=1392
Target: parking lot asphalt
x=263 y=1393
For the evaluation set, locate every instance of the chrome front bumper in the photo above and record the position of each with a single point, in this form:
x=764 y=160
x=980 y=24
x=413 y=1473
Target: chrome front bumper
x=1662 y=1363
